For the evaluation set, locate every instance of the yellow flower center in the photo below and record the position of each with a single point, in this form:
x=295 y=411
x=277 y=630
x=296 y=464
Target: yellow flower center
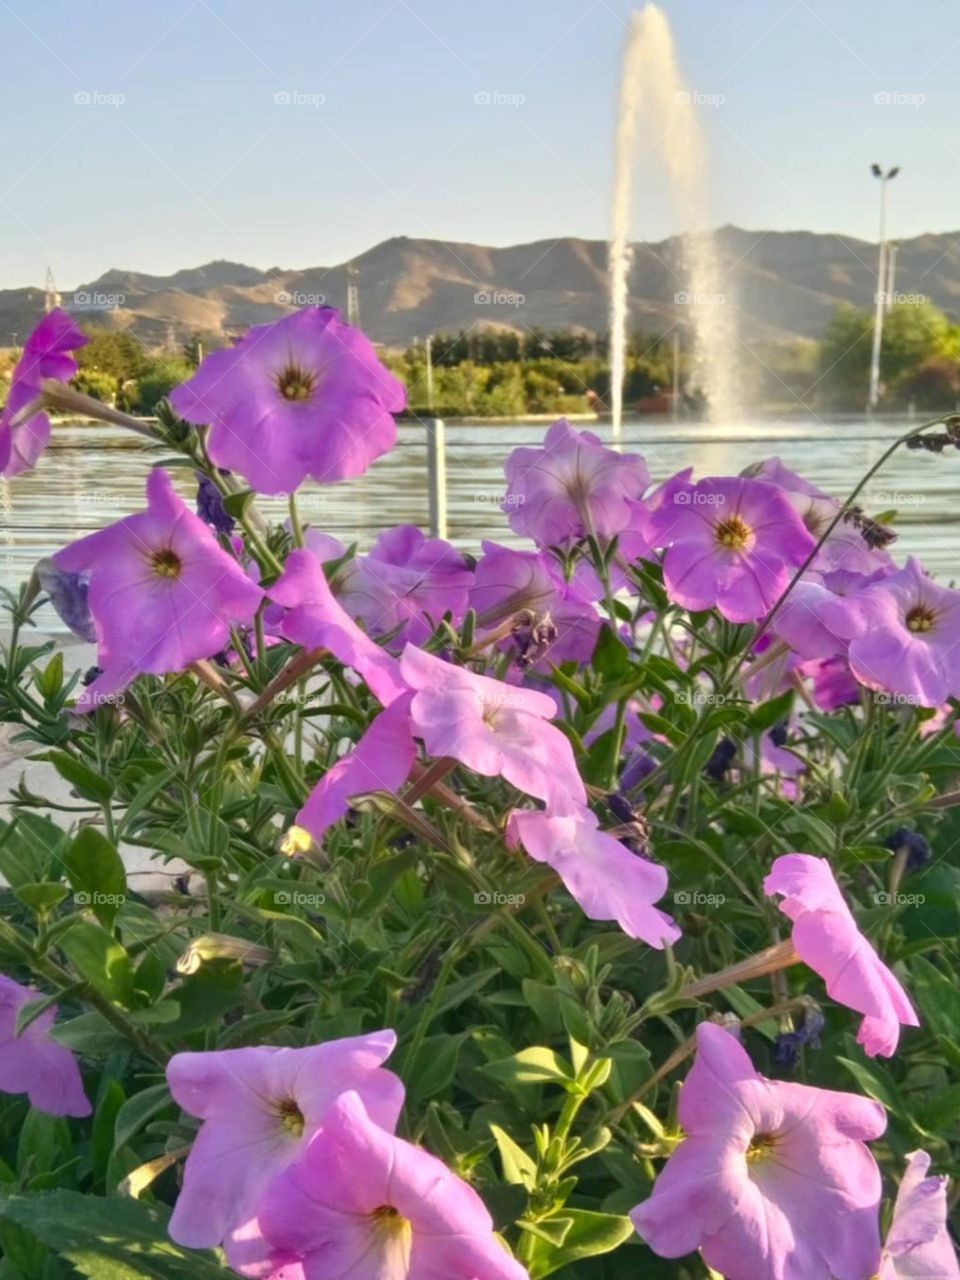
x=291 y=1117
x=395 y=1238
x=761 y=1147
x=733 y=533
x=921 y=618
x=166 y=563
x=295 y=383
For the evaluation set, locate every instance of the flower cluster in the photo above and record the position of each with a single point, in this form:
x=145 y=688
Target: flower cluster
x=669 y=688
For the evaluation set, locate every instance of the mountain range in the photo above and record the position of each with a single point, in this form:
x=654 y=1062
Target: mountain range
x=786 y=284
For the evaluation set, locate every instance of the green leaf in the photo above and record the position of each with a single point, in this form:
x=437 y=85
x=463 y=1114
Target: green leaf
x=41 y=896
x=109 y=1238
x=238 y=504
x=138 y=1111
x=538 y=1065
x=938 y=997
x=767 y=714
x=611 y=658
x=84 y=780
x=100 y=960
x=588 y=1235
x=95 y=870
x=518 y=1167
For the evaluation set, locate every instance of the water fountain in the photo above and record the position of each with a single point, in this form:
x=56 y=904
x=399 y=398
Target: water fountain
x=652 y=92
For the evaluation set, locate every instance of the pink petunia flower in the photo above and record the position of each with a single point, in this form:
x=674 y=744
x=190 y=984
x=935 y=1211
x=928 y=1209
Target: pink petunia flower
x=572 y=486
x=306 y=395
x=493 y=728
x=732 y=544
x=820 y=615
x=405 y=585
x=260 y=1107
x=918 y=1244
x=602 y=874
x=905 y=640
x=845 y=548
x=32 y=1062
x=507 y=581
x=46 y=354
x=316 y=620
x=364 y=1205
x=773 y=1180
x=163 y=593
x=827 y=939
x=381 y=761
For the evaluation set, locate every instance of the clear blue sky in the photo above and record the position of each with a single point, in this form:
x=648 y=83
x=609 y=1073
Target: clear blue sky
x=200 y=162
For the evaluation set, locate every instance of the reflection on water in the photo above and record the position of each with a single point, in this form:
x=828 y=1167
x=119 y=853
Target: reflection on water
x=94 y=474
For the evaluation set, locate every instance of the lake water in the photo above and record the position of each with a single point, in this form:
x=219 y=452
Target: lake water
x=93 y=474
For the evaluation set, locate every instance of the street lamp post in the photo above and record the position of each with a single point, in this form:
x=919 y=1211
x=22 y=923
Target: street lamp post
x=880 y=305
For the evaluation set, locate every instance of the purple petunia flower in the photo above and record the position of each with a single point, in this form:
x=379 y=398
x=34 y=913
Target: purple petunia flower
x=210 y=507
x=571 y=487
x=405 y=585
x=905 y=640
x=316 y=620
x=732 y=544
x=827 y=939
x=820 y=615
x=364 y=1205
x=918 y=1244
x=773 y=1180
x=32 y=1062
x=163 y=593
x=844 y=548
x=68 y=593
x=381 y=761
x=305 y=396
x=493 y=728
x=260 y=1107
x=507 y=582
x=606 y=878
x=46 y=354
